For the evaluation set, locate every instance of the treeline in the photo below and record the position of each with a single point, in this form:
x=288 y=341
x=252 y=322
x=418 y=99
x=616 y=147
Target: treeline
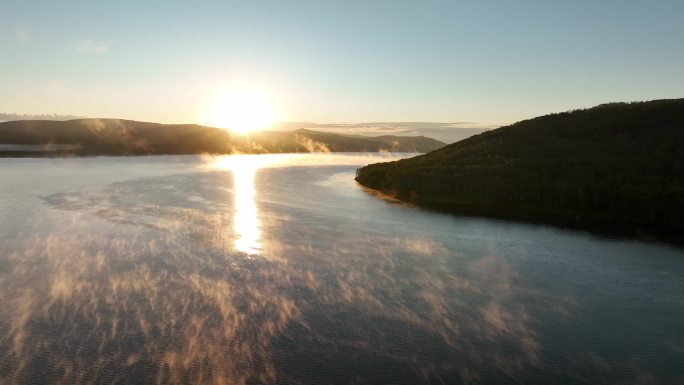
x=618 y=163
x=127 y=137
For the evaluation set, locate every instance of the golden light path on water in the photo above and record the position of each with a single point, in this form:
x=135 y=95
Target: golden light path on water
x=246 y=219
x=246 y=224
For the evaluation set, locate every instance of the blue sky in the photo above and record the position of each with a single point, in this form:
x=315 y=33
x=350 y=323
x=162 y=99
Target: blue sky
x=483 y=62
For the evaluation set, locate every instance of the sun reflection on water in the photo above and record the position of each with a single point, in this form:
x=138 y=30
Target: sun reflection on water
x=246 y=224
x=246 y=219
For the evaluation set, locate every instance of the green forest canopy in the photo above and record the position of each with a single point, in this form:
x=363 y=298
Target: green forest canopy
x=618 y=163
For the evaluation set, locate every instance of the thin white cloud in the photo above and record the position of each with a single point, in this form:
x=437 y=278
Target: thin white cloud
x=21 y=34
x=90 y=46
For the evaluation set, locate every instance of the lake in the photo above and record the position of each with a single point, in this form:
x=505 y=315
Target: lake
x=263 y=269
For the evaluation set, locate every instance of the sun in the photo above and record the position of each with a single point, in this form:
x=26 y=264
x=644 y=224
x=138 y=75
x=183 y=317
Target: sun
x=241 y=111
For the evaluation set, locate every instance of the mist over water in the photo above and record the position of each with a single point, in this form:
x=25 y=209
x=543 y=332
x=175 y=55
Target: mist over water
x=281 y=269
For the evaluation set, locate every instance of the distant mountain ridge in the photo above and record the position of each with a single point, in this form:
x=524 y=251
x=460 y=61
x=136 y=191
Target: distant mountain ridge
x=128 y=137
x=617 y=164
x=6 y=117
x=448 y=132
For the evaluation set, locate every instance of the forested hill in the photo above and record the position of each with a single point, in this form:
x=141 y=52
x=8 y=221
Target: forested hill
x=127 y=137
x=617 y=163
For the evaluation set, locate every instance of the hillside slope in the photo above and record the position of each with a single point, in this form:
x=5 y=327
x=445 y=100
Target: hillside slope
x=127 y=137
x=616 y=163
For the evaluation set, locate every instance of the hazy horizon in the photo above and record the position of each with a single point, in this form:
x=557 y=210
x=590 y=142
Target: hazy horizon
x=444 y=131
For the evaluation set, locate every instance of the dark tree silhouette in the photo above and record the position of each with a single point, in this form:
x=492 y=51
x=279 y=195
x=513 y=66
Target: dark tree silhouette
x=617 y=163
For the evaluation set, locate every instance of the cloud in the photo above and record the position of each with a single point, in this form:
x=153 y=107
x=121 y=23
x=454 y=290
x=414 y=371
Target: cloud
x=21 y=34
x=90 y=46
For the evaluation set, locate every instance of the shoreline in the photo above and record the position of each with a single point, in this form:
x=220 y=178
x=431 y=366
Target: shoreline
x=575 y=221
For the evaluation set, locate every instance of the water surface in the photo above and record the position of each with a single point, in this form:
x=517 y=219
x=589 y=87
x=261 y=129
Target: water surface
x=281 y=269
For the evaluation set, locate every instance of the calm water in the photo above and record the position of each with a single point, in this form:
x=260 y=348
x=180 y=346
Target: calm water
x=280 y=269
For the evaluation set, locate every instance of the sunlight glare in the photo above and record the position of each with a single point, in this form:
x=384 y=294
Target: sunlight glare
x=246 y=224
x=241 y=111
x=246 y=220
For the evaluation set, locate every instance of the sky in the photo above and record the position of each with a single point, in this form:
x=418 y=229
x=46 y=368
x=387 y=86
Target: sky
x=477 y=63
